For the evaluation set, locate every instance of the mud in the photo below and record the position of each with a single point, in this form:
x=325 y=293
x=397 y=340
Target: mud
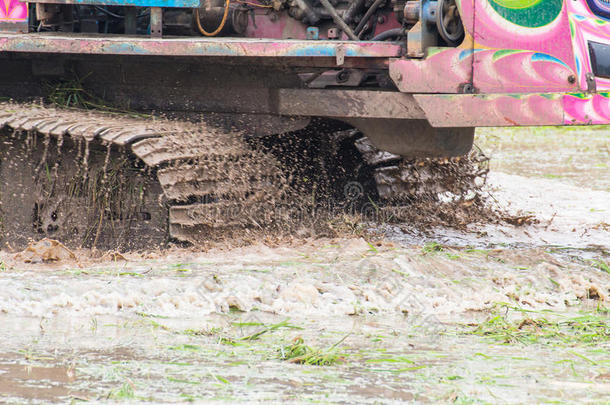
x=128 y=182
x=178 y=326
x=117 y=181
x=489 y=311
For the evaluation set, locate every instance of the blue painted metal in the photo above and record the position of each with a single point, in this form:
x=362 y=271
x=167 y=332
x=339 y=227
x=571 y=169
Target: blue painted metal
x=313 y=33
x=135 y=3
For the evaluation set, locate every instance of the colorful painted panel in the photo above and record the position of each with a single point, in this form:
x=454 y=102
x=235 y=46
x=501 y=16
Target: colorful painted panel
x=514 y=46
x=517 y=71
x=447 y=110
x=443 y=71
x=13 y=10
x=584 y=27
x=521 y=46
x=586 y=108
x=477 y=110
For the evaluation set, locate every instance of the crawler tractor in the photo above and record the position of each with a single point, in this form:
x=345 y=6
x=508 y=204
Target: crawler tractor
x=177 y=89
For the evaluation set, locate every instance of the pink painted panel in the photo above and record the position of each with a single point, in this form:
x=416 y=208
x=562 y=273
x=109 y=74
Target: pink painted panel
x=13 y=10
x=586 y=108
x=508 y=71
x=443 y=71
x=587 y=27
x=475 y=110
x=520 y=52
x=469 y=110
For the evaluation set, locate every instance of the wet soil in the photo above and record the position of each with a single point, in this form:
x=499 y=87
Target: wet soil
x=488 y=313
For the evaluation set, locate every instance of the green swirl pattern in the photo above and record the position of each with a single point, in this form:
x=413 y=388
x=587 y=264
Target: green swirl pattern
x=528 y=13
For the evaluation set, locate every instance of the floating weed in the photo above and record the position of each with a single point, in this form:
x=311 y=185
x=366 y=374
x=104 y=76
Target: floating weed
x=176 y=363
x=186 y=348
x=263 y=328
x=202 y=332
x=588 y=329
x=29 y=354
x=452 y=256
x=432 y=247
x=298 y=352
x=602 y=310
x=130 y=273
x=157 y=325
x=397 y=360
x=147 y=315
x=601 y=265
x=221 y=379
x=127 y=391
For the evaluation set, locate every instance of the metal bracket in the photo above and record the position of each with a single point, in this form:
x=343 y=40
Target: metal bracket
x=130 y=20
x=591 y=85
x=423 y=34
x=313 y=33
x=340 y=54
x=156 y=22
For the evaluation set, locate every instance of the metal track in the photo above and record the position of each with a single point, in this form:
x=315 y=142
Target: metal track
x=198 y=180
x=132 y=182
x=401 y=180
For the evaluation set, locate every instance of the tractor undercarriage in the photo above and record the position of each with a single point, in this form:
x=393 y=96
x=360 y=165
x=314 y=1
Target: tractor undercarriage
x=128 y=123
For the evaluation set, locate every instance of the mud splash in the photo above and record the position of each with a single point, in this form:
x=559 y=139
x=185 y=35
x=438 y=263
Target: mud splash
x=345 y=277
x=179 y=327
x=115 y=181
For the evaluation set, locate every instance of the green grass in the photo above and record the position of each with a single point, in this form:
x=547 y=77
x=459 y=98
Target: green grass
x=186 y=348
x=432 y=247
x=298 y=352
x=399 y=361
x=601 y=265
x=263 y=328
x=73 y=94
x=126 y=392
x=586 y=330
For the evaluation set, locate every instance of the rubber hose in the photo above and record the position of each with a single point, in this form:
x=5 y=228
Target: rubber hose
x=367 y=15
x=394 y=32
x=220 y=27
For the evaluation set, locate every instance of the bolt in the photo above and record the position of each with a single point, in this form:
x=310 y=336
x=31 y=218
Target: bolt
x=342 y=76
x=571 y=79
x=467 y=88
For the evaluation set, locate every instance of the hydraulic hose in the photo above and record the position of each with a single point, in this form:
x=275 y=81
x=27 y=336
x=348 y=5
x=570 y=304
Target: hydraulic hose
x=220 y=26
x=338 y=20
x=367 y=15
x=394 y=32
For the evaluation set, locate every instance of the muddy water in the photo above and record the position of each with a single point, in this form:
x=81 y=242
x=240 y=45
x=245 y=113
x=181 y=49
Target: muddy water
x=578 y=156
x=403 y=311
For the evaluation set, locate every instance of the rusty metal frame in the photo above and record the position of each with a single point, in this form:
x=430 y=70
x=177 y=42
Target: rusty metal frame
x=134 y=3
x=194 y=46
x=17 y=27
x=348 y=104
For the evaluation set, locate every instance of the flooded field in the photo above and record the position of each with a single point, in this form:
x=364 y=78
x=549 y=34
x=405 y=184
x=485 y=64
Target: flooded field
x=492 y=314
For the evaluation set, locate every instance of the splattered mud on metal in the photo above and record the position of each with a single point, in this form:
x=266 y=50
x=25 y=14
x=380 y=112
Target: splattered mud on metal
x=125 y=181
